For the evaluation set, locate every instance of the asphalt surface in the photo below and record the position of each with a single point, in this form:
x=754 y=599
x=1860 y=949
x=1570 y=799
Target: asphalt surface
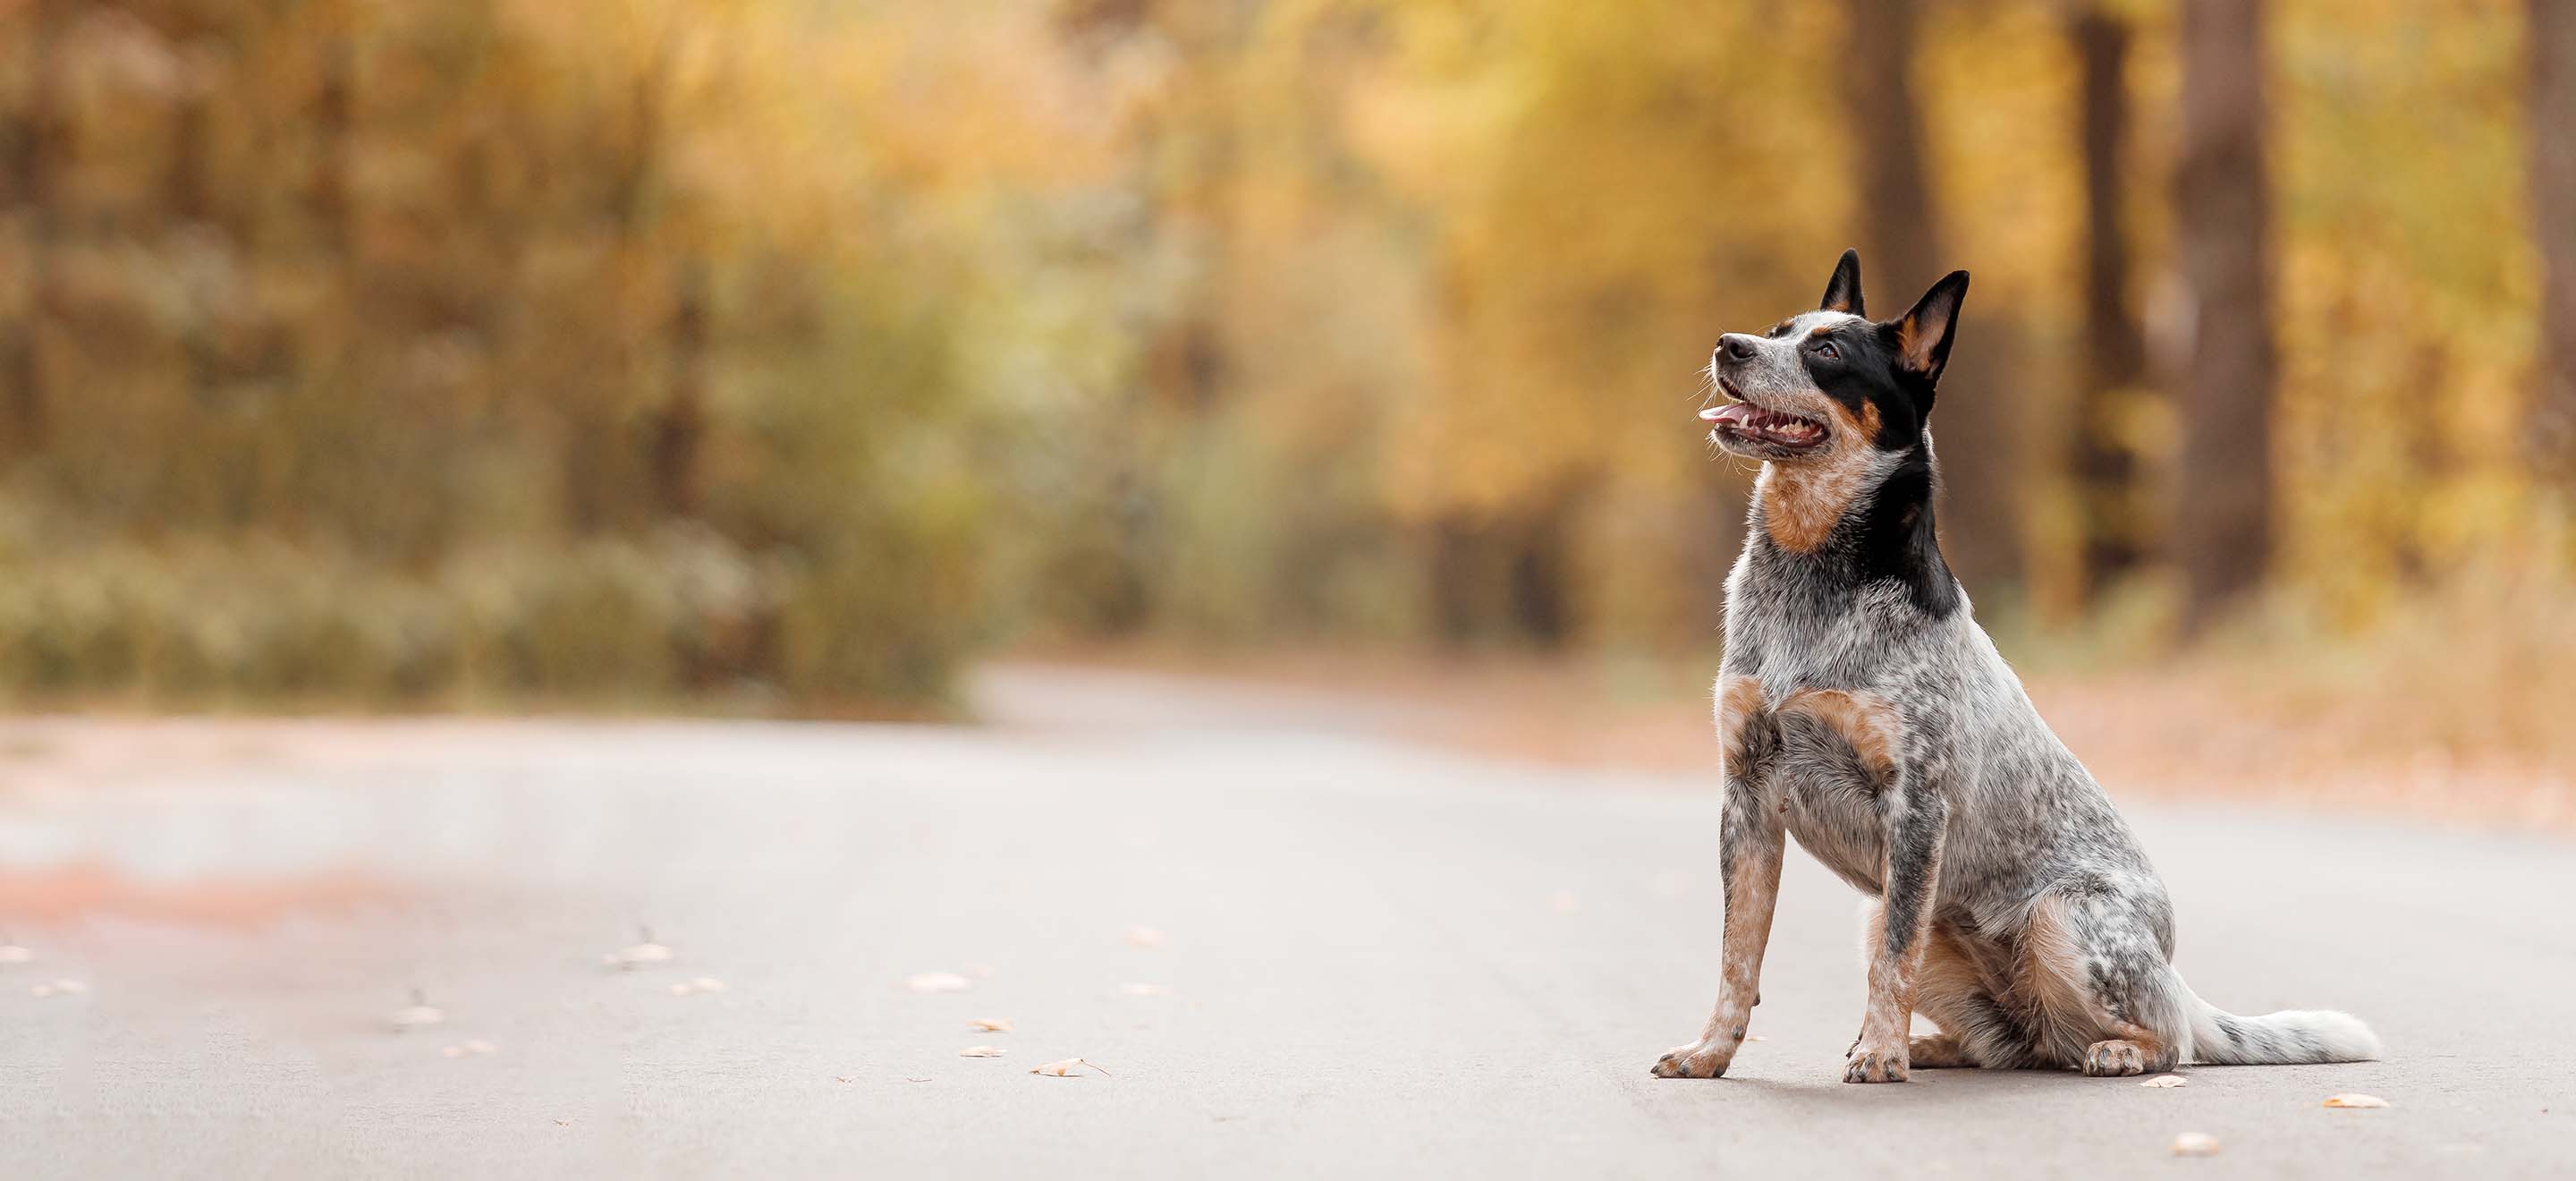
x=1375 y=959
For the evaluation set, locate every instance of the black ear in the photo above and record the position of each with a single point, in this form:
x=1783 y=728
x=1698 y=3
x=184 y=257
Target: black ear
x=1923 y=335
x=1842 y=292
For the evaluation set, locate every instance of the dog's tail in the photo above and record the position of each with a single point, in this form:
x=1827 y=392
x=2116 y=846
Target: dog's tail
x=2219 y=1037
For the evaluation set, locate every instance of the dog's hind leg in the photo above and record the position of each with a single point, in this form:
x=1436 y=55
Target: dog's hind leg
x=2093 y=962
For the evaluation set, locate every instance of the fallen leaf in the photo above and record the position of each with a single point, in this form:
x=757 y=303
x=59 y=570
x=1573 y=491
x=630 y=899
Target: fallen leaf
x=1755 y=1037
x=2195 y=1144
x=1066 y=1068
x=418 y=1014
x=563 y=1123
x=2351 y=1100
x=1145 y=990
x=2164 y=1080
x=980 y=1052
x=843 y=1078
x=938 y=982
x=991 y=1024
x=643 y=951
x=1148 y=937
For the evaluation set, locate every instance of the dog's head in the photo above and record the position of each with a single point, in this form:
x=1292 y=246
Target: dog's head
x=1832 y=382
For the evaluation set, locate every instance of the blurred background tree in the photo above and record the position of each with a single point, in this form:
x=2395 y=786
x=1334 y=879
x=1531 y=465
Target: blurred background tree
x=783 y=355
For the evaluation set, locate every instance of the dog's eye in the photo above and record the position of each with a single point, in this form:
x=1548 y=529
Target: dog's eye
x=1827 y=350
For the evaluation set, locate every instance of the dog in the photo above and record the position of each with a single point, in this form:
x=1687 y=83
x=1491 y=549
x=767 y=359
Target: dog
x=1862 y=710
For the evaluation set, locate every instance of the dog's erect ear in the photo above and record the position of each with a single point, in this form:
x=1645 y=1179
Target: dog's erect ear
x=1842 y=292
x=1923 y=335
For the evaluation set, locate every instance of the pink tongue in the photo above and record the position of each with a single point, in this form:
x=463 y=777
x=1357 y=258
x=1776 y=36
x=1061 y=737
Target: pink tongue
x=1737 y=412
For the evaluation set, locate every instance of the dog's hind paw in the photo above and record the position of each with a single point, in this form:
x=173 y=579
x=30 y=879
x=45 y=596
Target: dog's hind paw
x=2114 y=1058
x=1696 y=1060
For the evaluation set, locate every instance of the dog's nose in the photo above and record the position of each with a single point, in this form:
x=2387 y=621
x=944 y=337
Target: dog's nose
x=1735 y=346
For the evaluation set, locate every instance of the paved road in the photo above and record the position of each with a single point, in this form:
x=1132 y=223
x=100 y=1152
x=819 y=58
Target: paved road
x=1377 y=960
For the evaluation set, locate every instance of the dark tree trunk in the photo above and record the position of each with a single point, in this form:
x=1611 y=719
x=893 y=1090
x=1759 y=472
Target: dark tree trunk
x=2553 y=204
x=334 y=114
x=1903 y=255
x=2105 y=466
x=2222 y=518
x=36 y=183
x=681 y=431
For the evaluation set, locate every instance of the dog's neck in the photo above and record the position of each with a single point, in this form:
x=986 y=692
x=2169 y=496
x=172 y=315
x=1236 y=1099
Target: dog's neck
x=1859 y=517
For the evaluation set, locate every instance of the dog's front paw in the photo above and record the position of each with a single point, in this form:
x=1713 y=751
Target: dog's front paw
x=1696 y=1060
x=1876 y=1064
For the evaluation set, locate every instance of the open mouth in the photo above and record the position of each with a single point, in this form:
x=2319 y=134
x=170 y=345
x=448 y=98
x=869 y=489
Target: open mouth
x=1744 y=422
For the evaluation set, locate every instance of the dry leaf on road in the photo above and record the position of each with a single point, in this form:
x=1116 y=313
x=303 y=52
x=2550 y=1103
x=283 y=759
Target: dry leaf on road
x=643 y=951
x=2195 y=1144
x=938 y=982
x=2349 y=1100
x=991 y=1024
x=980 y=1052
x=2164 y=1080
x=1066 y=1068
x=418 y=1014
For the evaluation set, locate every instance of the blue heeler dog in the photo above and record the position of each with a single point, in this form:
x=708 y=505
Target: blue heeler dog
x=1862 y=710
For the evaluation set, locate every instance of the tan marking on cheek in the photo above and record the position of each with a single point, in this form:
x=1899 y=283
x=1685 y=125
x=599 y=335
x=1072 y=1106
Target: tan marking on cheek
x=1867 y=721
x=1802 y=502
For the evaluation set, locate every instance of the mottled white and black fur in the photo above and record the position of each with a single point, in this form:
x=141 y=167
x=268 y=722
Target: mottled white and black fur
x=1863 y=711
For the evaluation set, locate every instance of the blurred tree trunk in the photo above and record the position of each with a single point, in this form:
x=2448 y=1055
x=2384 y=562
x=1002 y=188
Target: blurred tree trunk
x=1903 y=253
x=41 y=150
x=681 y=429
x=2222 y=519
x=334 y=114
x=2115 y=363
x=2553 y=204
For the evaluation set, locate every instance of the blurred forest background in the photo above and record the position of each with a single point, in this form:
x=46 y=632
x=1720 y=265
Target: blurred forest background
x=784 y=355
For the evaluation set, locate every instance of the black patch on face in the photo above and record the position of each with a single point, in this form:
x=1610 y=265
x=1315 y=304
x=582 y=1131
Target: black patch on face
x=1889 y=532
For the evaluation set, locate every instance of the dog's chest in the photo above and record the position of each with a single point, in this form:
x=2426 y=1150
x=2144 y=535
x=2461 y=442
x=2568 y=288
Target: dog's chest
x=1794 y=637
x=1835 y=816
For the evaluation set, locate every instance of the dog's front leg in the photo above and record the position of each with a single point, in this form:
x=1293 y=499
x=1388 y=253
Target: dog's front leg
x=1917 y=816
x=1750 y=844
